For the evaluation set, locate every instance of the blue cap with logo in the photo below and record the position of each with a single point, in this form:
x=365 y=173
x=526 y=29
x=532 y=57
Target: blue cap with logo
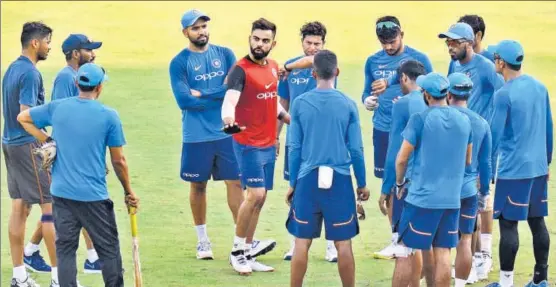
x=460 y=84
x=79 y=41
x=459 y=31
x=435 y=84
x=91 y=75
x=191 y=16
x=509 y=51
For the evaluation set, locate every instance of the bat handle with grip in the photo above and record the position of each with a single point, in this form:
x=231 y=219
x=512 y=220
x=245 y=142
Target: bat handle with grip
x=135 y=242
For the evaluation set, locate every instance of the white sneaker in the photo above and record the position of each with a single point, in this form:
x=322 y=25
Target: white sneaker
x=29 y=282
x=262 y=247
x=472 y=279
x=240 y=264
x=331 y=253
x=288 y=256
x=259 y=267
x=484 y=266
x=204 y=250
x=386 y=253
x=54 y=283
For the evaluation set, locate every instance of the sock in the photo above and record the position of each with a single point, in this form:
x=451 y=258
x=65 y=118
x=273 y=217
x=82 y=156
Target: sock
x=239 y=243
x=395 y=237
x=54 y=273
x=202 y=232
x=330 y=244
x=92 y=255
x=540 y=273
x=31 y=248
x=460 y=282
x=506 y=278
x=20 y=273
x=486 y=243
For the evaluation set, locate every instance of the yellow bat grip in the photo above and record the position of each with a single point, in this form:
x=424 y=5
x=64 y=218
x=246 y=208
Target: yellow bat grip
x=133 y=220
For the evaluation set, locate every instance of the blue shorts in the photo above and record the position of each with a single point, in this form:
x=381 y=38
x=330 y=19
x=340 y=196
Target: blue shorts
x=201 y=160
x=286 y=165
x=311 y=205
x=256 y=165
x=468 y=214
x=380 y=147
x=423 y=228
x=397 y=209
x=519 y=199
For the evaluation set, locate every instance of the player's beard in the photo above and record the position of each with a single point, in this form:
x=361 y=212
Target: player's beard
x=459 y=56
x=200 y=43
x=42 y=56
x=83 y=61
x=259 y=55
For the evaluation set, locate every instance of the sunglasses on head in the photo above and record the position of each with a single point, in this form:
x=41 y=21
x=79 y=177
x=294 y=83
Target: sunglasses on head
x=387 y=25
x=462 y=87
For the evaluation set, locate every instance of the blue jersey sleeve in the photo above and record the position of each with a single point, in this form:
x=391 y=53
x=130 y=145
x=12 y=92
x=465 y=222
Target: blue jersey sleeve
x=295 y=140
x=115 y=136
x=424 y=60
x=219 y=92
x=355 y=146
x=451 y=67
x=412 y=132
x=498 y=121
x=283 y=90
x=30 y=85
x=42 y=115
x=182 y=90
x=64 y=87
x=485 y=166
x=496 y=80
x=369 y=79
x=399 y=120
x=549 y=131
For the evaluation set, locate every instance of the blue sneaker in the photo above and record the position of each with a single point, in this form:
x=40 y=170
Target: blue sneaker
x=36 y=263
x=92 y=268
x=543 y=283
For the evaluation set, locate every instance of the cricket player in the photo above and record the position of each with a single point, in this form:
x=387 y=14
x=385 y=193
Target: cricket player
x=441 y=137
x=479 y=27
x=522 y=136
x=249 y=112
x=473 y=198
x=381 y=87
x=313 y=39
x=79 y=172
x=197 y=76
x=320 y=178
x=28 y=184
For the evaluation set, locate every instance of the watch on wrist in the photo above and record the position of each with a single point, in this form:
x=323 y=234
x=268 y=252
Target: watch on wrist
x=286 y=68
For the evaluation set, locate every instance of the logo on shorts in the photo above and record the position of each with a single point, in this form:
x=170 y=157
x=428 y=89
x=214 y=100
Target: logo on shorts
x=216 y=63
x=185 y=174
x=255 y=180
x=274 y=73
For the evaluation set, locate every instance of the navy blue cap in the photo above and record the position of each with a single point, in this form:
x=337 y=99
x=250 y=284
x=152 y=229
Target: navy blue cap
x=191 y=16
x=91 y=75
x=79 y=41
x=434 y=84
x=459 y=31
x=509 y=51
x=460 y=84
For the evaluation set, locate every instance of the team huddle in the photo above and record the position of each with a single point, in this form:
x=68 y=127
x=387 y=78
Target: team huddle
x=439 y=143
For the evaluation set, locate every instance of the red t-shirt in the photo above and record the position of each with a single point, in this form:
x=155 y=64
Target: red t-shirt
x=257 y=106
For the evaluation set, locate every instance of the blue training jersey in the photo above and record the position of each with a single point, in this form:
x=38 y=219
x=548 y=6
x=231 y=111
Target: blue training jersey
x=480 y=160
x=440 y=136
x=64 y=84
x=325 y=116
x=522 y=129
x=383 y=66
x=204 y=72
x=22 y=85
x=79 y=171
x=402 y=110
x=485 y=82
x=485 y=53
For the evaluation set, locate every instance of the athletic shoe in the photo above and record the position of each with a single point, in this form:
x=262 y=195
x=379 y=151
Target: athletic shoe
x=92 y=267
x=331 y=253
x=288 y=256
x=386 y=253
x=240 y=263
x=495 y=284
x=399 y=250
x=204 y=250
x=36 y=263
x=262 y=247
x=543 y=283
x=484 y=266
x=472 y=279
x=54 y=283
x=258 y=266
x=28 y=282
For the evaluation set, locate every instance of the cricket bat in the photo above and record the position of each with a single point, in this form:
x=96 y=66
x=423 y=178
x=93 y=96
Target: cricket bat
x=135 y=246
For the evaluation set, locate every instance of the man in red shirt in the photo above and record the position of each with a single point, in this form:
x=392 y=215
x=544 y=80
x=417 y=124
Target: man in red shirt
x=249 y=111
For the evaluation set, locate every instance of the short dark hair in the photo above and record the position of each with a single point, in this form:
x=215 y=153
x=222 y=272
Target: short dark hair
x=476 y=22
x=461 y=98
x=412 y=69
x=315 y=28
x=263 y=24
x=86 y=88
x=513 y=67
x=69 y=55
x=325 y=63
x=388 y=33
x=34 y=30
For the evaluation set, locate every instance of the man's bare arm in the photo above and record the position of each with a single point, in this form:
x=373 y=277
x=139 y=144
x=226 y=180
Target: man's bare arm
x=24 y=118
x=402 y=160
x=279 y=124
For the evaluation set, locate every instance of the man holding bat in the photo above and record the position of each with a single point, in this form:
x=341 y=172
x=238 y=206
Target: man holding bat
x=78 y=184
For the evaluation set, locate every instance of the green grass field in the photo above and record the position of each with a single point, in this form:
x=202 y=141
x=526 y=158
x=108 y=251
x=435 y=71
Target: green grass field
x=140 y=38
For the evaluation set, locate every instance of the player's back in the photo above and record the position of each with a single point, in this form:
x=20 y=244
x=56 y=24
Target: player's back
x=440 y=136
x=527 y=121
x=64 y=84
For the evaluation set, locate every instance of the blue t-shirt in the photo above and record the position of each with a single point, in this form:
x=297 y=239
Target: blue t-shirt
x=402 y=110
x=22 y=85
x=440 y=136
x=383 y=66
x=325 y=116
x=485 y=82
x=480 y=160
x=204 y=72
x=522 y=129
x=485 y=53
x=82 y=129
x=64 y=84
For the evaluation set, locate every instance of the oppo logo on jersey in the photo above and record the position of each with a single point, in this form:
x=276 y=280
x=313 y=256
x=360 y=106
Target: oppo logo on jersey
x=209 y=76
x=385 y=73
x=299 y=81
x=267 y=95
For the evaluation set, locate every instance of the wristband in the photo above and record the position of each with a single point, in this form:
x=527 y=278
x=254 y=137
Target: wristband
x=285 y=68
x=49 y=139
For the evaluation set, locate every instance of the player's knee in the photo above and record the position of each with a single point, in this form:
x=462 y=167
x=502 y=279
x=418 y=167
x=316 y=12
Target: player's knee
x=509 y=237
x=303 y=245
x=258 y=197
x=541 y=238
x=343 y=246
x=199 y=186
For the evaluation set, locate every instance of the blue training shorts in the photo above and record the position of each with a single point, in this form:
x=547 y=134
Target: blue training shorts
x=200 y=161
x=519 y=199
x=397 y=208
x=380 y=147
x=256 y=165
x=468 y=214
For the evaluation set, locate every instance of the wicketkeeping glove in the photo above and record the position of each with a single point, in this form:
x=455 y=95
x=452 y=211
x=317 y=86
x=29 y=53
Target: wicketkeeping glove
x=371 y=103
x=47 y=152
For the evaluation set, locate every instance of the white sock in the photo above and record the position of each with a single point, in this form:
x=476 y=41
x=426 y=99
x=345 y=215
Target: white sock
x=30 y=248
x=20 y=273
x=92 y=255
x=239 y=243
x=202 y=233
x=330 y=244
x=460 y=282
x=486 y=243
x=506 y=278
x=395 y=237
x=54 y=273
